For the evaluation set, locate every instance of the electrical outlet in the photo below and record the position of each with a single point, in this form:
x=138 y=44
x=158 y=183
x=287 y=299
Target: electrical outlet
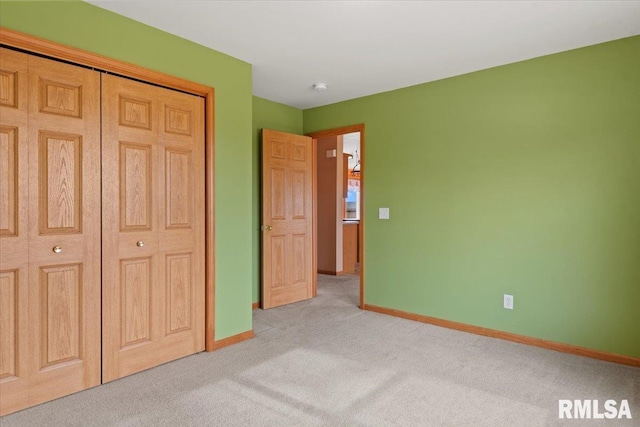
x=383 y=213
x=508 y=301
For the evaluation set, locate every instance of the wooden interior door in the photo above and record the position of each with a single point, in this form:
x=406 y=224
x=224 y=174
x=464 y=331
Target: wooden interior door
x=153 y=226
x=50 y=268
x=287 y=218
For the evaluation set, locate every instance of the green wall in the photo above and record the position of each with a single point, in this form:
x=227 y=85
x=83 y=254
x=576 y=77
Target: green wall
x=266 y=115
x=88 y=27
x=521 y=179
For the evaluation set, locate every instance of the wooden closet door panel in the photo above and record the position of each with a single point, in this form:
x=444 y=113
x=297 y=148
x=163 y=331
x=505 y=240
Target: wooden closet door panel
x=181 y=141
x=14 y=235
x=64 y=229
x=129 y=226
x=153 y=248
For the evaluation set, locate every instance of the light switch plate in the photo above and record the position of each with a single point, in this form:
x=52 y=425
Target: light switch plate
x=383 y=213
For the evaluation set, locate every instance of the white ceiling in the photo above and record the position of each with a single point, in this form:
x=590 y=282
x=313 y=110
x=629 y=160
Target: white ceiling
x=364 y=47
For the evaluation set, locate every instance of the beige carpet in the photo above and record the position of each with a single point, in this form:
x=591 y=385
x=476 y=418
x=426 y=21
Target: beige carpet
x=325 y=362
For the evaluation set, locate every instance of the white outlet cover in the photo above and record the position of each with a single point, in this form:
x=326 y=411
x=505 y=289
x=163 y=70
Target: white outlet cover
x=383 y=213
x=508 y=301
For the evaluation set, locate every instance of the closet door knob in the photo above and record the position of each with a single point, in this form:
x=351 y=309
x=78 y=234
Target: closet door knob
x=140 y=243
x=57 y=249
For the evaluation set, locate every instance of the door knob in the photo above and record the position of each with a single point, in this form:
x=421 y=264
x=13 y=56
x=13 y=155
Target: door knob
x=140 y=243
x=268 y=227
x=57 y=249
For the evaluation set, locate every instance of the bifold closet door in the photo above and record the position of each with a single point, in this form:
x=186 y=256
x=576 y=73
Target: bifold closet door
x=153 y=225
x=50 y=230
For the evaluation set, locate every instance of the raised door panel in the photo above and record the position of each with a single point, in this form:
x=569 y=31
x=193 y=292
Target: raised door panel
x=134 y=111
x=278 y=265
x=299 y=265
x=8 y=180
x=14 y=236
x=135 y=302
x=60 y=98
x=179 y=296
x=64 y=229
x=179 y=121
x=14 y=386
x=136 y=192
x=8 y=87
x=277 y=190
x=61 y=320
x=10 y=333
x=298 y=194
x=60 y=183
x=179 y=189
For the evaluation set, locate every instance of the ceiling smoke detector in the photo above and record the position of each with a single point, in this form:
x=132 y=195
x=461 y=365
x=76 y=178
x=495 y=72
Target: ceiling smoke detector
x=319 y=87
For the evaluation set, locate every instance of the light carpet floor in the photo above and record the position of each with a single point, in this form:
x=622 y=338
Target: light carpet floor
x=325 y=362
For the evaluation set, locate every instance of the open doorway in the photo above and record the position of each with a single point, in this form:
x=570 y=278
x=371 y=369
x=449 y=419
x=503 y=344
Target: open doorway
x=290 y=201
x=339 y=229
